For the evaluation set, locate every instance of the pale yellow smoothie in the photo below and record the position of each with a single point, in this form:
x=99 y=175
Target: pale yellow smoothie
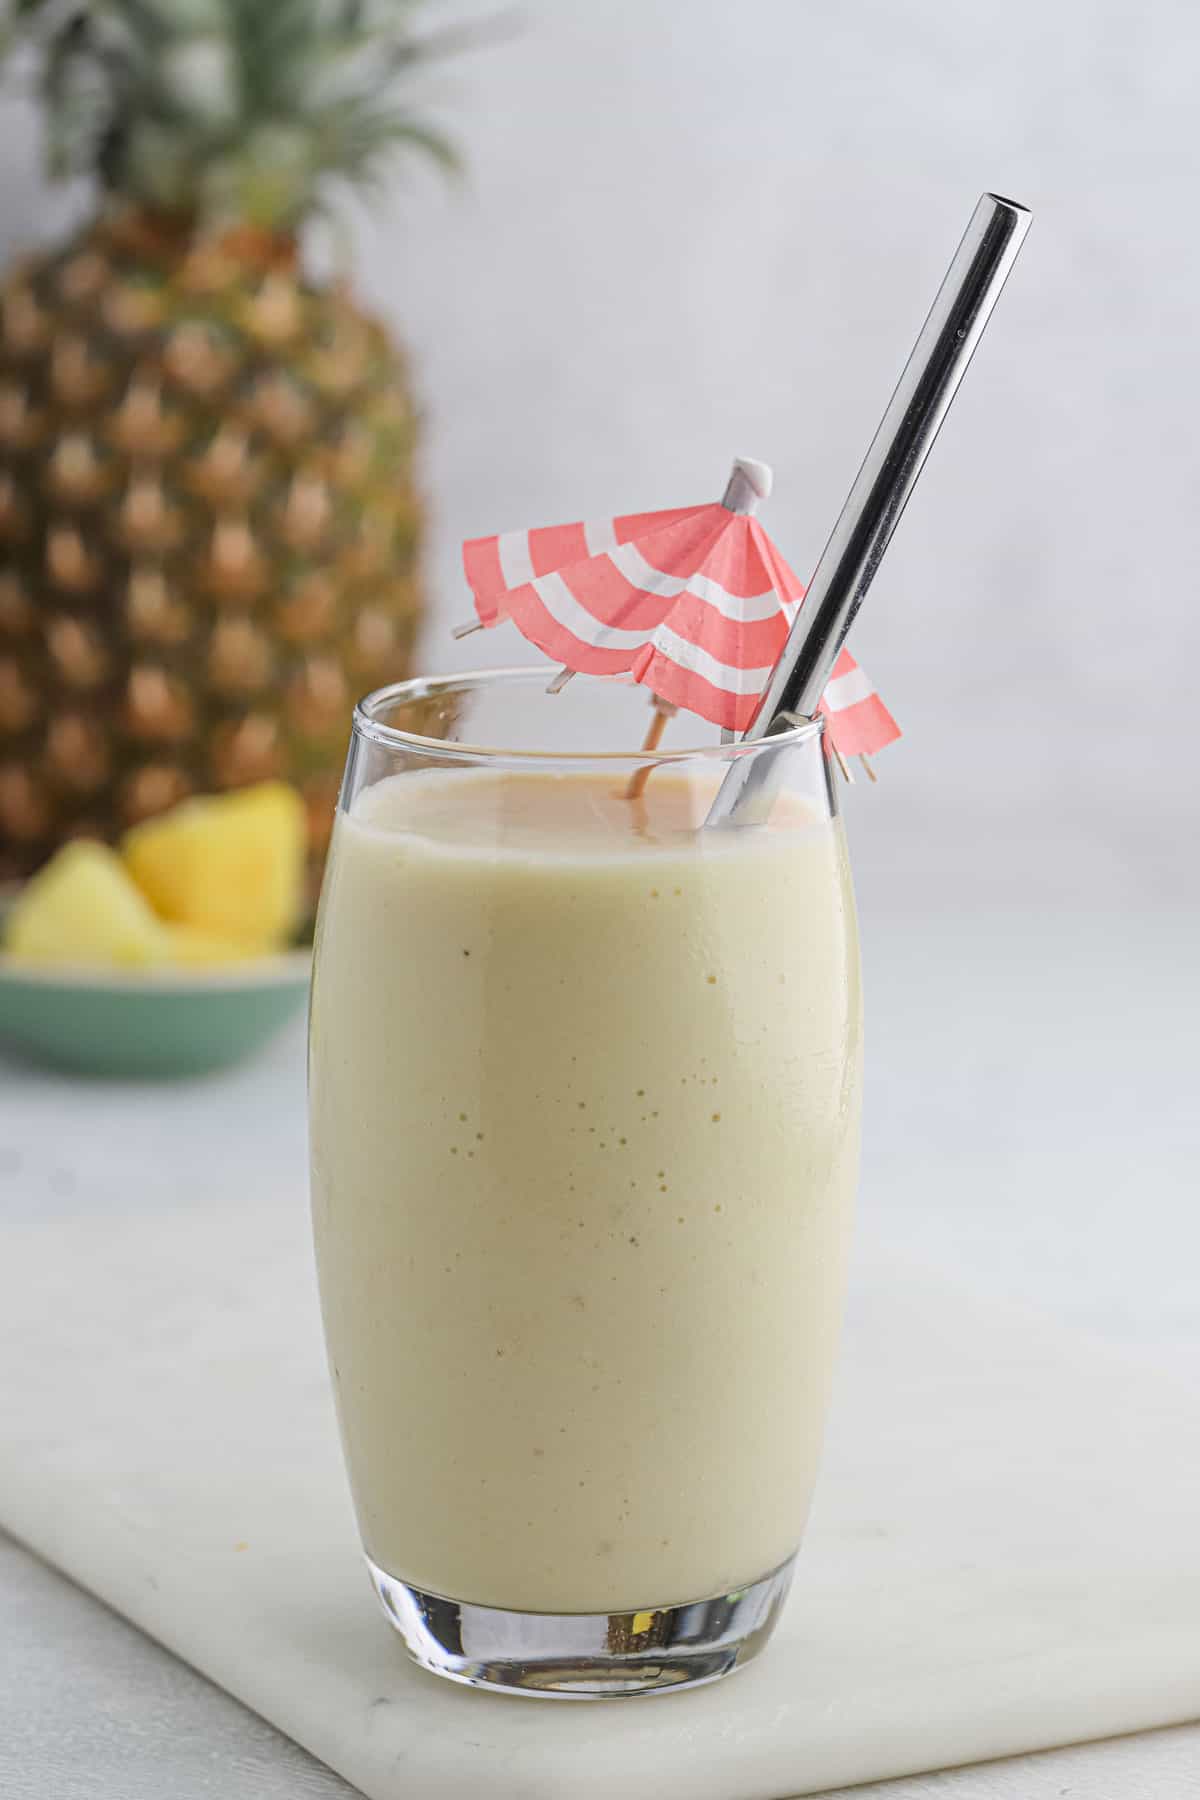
x=585 y=1106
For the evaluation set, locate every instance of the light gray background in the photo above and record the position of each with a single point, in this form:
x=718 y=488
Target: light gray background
x=695 y=228
x=692 y=229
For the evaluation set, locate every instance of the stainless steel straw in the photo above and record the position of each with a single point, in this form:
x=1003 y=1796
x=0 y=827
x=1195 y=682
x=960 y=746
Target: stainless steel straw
x=888 y=475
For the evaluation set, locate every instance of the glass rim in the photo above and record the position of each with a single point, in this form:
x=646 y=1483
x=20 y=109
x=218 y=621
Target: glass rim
x=367 y=724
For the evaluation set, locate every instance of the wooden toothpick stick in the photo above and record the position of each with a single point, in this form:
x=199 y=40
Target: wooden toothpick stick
x=658 y=724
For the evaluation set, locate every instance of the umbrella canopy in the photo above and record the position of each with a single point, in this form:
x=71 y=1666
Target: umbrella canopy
x=695 y=603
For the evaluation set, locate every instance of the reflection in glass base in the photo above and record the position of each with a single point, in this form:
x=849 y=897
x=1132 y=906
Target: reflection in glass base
x=589 y=1656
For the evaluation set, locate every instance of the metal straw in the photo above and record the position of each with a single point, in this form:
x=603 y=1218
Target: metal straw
x=888 y=475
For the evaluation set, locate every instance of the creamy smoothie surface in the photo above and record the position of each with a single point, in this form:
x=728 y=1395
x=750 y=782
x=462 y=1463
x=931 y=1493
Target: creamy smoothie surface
x=585 y=1105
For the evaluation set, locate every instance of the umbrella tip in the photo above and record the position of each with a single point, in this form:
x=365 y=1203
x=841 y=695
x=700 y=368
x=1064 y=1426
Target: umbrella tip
x=749 y=483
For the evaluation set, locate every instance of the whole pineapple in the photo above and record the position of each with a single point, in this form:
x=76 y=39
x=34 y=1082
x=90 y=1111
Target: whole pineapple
x=209 y=526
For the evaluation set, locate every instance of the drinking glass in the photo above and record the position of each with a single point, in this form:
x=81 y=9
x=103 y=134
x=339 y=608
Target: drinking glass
x=584 y=1093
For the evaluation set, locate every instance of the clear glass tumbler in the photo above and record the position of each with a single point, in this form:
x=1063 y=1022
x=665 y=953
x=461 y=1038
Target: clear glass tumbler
x=585 y=1082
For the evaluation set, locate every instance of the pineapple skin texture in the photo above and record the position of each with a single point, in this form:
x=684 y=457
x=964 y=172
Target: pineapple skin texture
x=209 y=531
x=85 y=909
x=226 y=874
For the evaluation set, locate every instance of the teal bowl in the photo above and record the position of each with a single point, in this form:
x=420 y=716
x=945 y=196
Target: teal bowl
x=149 y=1022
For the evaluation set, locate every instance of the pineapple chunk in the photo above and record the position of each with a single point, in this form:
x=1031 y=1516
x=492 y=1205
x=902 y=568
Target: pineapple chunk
x=194 y=949
x=231 y=866
x=83 y=908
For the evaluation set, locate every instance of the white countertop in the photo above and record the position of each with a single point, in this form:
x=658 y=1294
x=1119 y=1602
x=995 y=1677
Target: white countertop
x=92 y=1710
x=1048 y=1151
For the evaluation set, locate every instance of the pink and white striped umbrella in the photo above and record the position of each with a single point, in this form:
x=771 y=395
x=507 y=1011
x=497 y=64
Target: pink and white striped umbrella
x=694 y=602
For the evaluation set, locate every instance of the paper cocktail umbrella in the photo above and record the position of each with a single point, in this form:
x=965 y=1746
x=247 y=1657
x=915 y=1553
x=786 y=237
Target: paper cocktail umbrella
x=695 y=603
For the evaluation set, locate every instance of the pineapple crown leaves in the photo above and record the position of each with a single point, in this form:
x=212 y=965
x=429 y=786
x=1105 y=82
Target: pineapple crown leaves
x=227 y=110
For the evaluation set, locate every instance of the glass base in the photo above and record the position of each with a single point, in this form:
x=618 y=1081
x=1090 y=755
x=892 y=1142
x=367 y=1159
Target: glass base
x=586 y=1656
